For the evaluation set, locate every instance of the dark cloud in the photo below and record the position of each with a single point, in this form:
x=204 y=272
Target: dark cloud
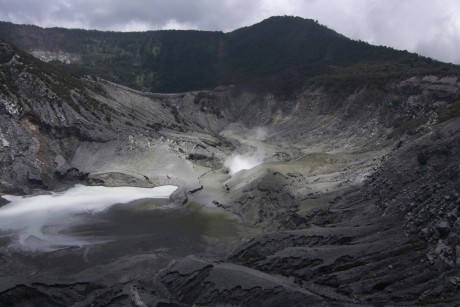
x=431 y=28
x=125 y=15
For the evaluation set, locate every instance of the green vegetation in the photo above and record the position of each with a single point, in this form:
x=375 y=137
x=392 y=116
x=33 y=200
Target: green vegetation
x=449 y=111
x=207 y=104
x=176 y=115
x=407 y=126
x=278 y=55
x=60 y=85
x=156 y=126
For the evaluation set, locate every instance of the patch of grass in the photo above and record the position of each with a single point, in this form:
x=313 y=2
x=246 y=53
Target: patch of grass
x=156 y=126
x=176 y=115
x=406 y=126
x=449 y=111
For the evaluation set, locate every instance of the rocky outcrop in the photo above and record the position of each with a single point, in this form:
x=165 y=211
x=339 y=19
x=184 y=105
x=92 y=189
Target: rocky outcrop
x=55 y=127
x=421 y=182
x=195 y=281
x=264 y=199
x=3 y=201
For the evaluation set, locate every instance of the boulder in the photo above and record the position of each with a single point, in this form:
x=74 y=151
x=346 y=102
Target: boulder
x=3 y=201
x=34 y=178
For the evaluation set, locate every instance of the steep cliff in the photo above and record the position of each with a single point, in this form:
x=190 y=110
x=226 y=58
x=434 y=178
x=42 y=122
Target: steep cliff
x=56 y=127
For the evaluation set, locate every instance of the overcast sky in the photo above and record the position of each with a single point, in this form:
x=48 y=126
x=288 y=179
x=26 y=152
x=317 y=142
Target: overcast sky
x=428 y=27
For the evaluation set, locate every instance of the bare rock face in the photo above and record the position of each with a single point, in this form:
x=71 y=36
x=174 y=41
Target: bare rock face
x=56 y=127
x=48 y=56
x=421 y=182
x=263 y=200
x=390 y=239
x=3 y=201
x=199 y=282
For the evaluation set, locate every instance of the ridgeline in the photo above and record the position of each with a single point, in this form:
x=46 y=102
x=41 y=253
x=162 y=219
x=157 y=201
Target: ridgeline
x=279 y=55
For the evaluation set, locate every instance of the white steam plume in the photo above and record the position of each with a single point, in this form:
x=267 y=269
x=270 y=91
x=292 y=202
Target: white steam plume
x=250 y=159
x=258 y=133
x=238 y=162
x=39 y=222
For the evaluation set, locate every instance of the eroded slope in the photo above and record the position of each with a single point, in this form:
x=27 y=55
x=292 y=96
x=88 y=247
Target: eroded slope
x=353 y=199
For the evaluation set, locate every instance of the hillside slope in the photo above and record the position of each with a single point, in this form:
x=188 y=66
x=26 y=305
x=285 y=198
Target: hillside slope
x=278 y=55
x=52 y=124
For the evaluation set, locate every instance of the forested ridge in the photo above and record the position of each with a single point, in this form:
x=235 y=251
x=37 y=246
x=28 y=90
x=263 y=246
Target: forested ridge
x=279 y=54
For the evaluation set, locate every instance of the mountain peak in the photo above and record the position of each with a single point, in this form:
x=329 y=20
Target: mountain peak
x=280 y=54
x=289 y=20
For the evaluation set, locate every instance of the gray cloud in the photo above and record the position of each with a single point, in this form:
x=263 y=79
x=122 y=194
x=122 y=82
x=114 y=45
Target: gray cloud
x=128 y=15
x=431 y=28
